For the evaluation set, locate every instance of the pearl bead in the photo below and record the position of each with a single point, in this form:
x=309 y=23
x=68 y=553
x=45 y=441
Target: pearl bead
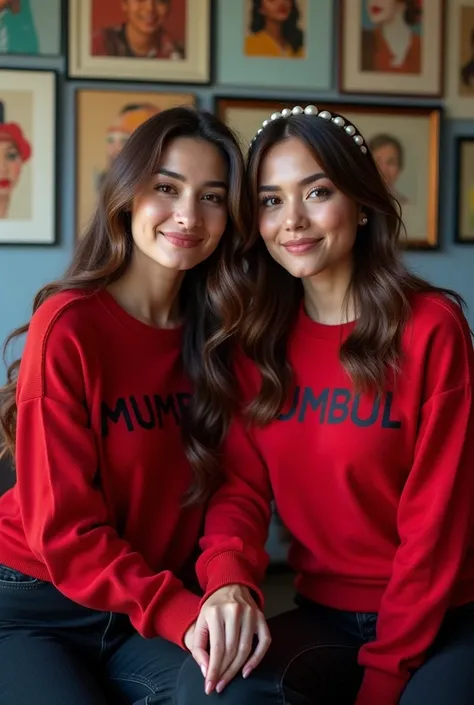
x=358 y=140
x=265 y=123
x=297 y=110
x=286 y=112
x=260 y=130
x=363 y=149
x=339 y=121
x=350 y=130
x=275 y=116
x=325 y=115
x=311 y=110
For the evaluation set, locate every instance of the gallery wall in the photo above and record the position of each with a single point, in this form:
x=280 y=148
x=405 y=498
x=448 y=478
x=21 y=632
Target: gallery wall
x=25 y=268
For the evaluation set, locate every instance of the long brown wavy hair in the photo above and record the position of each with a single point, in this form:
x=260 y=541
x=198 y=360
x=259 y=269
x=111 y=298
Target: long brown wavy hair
x=381 y=285
x=211 y=298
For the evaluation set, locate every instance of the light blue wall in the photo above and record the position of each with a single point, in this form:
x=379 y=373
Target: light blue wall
x=23 y=270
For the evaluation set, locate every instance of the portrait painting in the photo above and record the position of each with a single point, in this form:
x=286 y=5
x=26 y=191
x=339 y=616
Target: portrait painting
x=155 y=29
x=275 y=28
x=460 y=74
x=267 y=43
x=392 y=46
x=159 y=40
x=404 y=143
x=104 y=122
x=464 y=221
x=27 y=157
x=30 y=27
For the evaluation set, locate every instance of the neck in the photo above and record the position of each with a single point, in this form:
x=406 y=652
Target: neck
x=325 y=296
x=140 y=44
x=397 y=29
x=273 y=29
x=4 y=206
x=149 y=292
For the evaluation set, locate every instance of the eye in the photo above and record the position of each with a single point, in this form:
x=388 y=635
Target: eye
x=12 y=155
x=165 y=188
x=213 y=198
x=319 y=192
x=270 y=201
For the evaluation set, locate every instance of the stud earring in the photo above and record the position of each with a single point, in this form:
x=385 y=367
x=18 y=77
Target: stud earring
x=364 y=220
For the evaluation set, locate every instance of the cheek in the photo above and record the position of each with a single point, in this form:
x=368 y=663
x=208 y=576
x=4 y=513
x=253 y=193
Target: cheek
x=14 y=169
x=215 y=222
x=149 y=214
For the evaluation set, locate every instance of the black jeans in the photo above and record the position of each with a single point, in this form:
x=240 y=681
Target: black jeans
x=56 y=652
x=313 y=661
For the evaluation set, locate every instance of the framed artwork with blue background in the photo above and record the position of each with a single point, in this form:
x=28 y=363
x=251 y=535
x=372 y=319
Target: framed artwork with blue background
x=391 y=47
x=286 y=44
x=30 y=27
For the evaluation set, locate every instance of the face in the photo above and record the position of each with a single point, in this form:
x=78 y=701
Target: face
x=145 y=16
x=114 y=143
x=10 y=166
x=276 y=10
x=308 y=225
x=180 y=217
x=381 y=11
x=388 y=162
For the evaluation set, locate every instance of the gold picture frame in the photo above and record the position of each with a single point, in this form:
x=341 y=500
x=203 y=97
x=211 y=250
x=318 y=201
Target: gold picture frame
x=100 y=45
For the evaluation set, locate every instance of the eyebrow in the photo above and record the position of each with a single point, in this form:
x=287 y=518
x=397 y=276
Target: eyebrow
x=181 y=177
x=304 y=182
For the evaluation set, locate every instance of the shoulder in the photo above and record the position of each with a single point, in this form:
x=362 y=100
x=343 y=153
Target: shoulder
x=438 y=339
x=436 y=313
x=61 y=312
x=58 y=332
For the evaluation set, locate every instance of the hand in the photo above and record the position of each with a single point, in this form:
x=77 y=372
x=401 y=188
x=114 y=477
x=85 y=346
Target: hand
x=227 y=623
x=189 y=637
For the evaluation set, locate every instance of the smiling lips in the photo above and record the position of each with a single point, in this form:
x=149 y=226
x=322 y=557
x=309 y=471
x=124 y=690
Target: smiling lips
x=182 y=239
x=375 y=9
x=5 y=183
x=301 y=246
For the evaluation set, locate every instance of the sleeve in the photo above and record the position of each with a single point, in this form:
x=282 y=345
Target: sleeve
x=65 y=518
x=435 y=518
x=237 y=519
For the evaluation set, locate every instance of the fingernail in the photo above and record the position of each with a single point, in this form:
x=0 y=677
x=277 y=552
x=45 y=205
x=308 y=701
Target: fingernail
x=220 y=686
x=208 y=688
x=204 y=670
x=246 y=673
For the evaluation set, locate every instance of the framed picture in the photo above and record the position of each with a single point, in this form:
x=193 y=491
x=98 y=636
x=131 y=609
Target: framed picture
x=460 y=78
x=27 y=157
x=104 y=121
x=117 y=40
x=391 y=47
x=404 y=142
x=30 y=27
x=288 y=46
x=464 y=180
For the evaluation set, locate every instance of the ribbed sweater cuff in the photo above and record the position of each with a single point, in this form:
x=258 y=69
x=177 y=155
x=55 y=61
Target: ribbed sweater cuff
x=229 y=568
x=174 y=619
x=380 y=687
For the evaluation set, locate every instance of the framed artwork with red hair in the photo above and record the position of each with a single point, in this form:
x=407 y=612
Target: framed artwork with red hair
x=104 y=122
x=392 y=47
x=160 y=40
x=27 y=157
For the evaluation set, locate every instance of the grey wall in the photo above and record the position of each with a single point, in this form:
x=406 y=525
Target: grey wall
x=23 y=270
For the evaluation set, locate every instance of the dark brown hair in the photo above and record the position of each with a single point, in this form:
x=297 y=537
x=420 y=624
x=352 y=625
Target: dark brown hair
x=210 y=294
x=291 y=32
x=381 y=284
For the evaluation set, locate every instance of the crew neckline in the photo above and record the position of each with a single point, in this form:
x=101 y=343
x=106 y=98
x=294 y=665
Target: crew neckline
x=171 y=336
x=339 y=331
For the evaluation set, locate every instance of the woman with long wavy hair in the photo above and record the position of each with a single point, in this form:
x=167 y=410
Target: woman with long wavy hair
x=358 y=385
x=123 y=355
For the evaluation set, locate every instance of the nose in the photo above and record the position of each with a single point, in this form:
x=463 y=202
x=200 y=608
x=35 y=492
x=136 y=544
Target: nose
x=188 y=213
x=295 y=217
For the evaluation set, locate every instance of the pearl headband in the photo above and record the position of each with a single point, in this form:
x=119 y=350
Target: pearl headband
x=324 y=115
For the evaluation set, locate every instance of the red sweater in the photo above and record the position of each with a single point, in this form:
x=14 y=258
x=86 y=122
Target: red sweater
x=101 y=471
x=378 y=495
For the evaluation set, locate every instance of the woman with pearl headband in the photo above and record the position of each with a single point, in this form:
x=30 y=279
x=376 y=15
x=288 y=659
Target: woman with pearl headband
x=357 y=417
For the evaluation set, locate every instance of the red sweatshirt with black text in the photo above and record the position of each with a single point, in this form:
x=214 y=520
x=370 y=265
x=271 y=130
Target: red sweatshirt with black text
x=377 y=493
x=98 y=505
